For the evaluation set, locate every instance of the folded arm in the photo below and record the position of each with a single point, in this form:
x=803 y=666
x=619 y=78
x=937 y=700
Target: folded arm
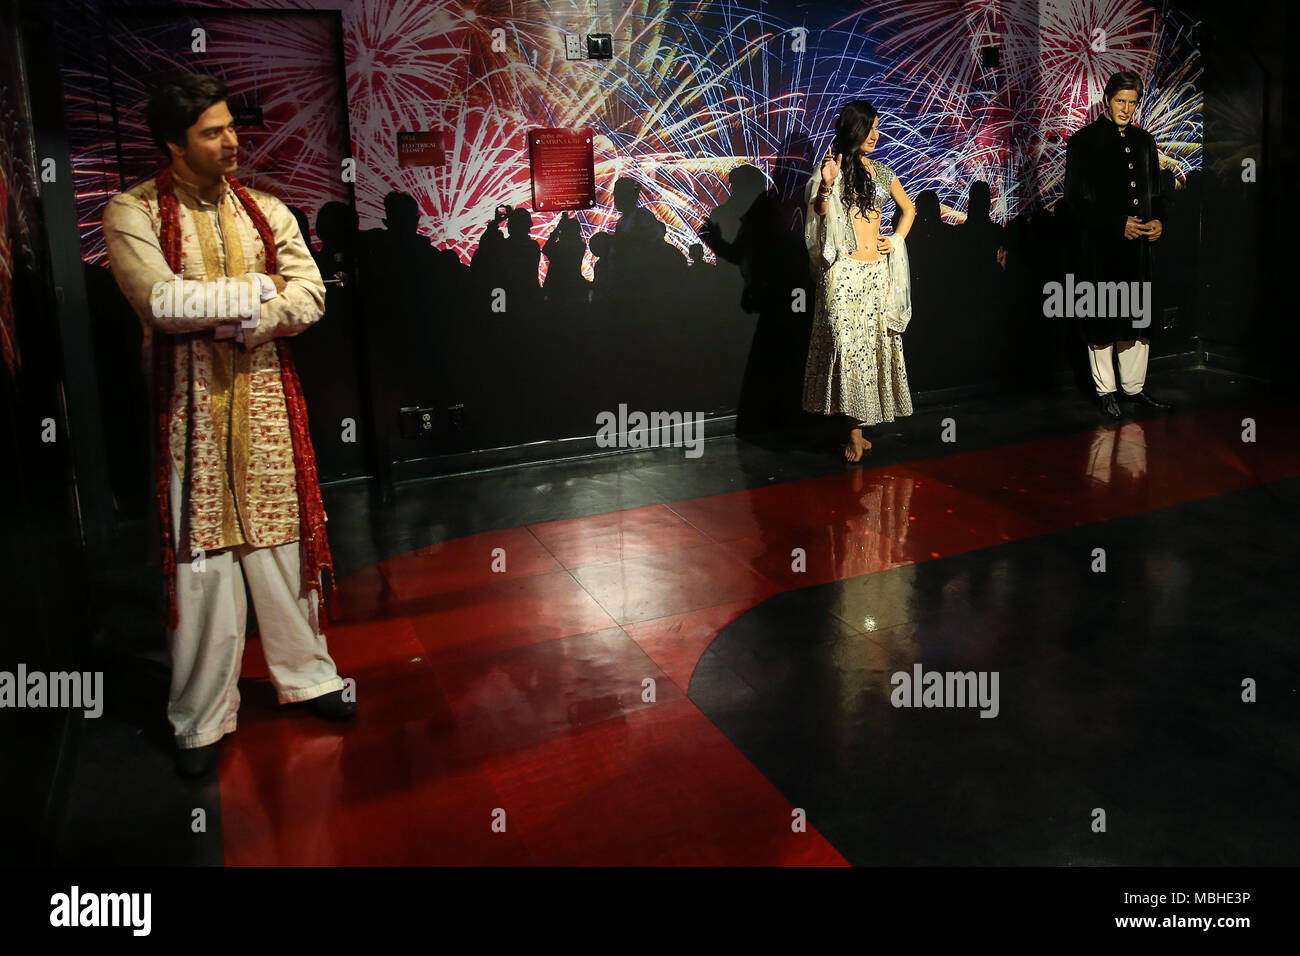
x=302 y=303
x=136 y=258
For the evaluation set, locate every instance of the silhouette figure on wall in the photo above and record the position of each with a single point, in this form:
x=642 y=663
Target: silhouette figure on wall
x=522 y=259
x=304 y=228
x=932 y=254
x=399 y=268
x=981 y=338
x=746 y=183
x=509 y=264
x=773 y=263
x=489 y=254
x=340 y=235
x=325 y=360
x=979 y=235
x=634 y=222
x=601 y=268
x=564 y=251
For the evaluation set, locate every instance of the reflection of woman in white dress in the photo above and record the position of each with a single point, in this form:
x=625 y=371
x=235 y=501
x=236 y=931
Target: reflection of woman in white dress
x=855 y=362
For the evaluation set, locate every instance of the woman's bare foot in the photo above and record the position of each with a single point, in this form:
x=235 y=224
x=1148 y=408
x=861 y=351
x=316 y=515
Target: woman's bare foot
x=857 y=446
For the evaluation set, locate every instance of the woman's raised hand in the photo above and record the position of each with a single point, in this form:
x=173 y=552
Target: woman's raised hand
x=831 y=168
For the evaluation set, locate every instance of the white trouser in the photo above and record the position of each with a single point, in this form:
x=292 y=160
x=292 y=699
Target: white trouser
x=1102 y=363
x=1132 y=367
x=207 y=647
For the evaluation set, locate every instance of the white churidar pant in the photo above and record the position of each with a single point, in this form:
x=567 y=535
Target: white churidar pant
x=207 y=648
x=1132 y=368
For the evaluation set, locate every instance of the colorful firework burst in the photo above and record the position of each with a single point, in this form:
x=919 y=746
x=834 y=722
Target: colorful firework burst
x=695 y=90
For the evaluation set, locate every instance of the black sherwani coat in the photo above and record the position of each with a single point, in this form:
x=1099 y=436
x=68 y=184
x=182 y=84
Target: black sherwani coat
x=1110 y=176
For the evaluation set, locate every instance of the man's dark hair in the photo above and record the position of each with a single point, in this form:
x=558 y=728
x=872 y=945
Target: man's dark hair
x=177 y=103
x=1123 y=80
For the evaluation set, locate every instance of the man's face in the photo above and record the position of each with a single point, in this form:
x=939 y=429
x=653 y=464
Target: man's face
x=1122 y=106
x=211 y=146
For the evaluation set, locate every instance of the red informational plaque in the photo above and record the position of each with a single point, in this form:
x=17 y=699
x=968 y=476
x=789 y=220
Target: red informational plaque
x=419 y=149
x=564 y=169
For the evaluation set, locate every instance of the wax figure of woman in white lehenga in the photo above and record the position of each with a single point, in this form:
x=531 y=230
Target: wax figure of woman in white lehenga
x=855 y=365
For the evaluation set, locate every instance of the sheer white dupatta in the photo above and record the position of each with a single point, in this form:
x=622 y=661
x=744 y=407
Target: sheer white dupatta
x=828 y=237
x=898 y=304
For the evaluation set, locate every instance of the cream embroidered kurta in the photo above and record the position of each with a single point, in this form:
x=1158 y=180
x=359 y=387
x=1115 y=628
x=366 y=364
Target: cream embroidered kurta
x=229 y=431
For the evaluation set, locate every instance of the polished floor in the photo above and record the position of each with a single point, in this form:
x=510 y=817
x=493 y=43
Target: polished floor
x=646 y=659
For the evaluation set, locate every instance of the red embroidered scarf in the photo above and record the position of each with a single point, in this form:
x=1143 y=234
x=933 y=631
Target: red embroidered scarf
x=317 y=566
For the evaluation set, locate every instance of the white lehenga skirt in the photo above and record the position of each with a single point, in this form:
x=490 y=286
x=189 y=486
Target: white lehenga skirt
x=855 y=364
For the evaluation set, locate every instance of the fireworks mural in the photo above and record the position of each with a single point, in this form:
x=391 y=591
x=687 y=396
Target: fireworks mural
x=695 y=89
x=294 y=154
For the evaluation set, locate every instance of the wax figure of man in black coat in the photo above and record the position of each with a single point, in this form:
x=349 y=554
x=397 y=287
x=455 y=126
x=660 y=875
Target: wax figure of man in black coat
x=1113 y=193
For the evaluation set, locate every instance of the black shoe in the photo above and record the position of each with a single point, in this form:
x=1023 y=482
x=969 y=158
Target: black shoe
x=1143 y=398
x=193 y=762
x=332 y=706
x=1109 y=406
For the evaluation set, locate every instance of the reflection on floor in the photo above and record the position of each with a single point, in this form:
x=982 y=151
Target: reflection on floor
x=523 y=690
x=650 y=661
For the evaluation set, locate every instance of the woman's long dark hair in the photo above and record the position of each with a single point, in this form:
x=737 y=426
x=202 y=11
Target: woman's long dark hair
x=852 y=127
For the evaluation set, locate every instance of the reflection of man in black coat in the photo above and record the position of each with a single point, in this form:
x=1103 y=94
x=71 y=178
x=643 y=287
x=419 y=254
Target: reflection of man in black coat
x=1112 y=190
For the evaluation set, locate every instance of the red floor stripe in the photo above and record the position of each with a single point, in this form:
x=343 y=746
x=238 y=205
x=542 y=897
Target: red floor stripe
x=517 y=694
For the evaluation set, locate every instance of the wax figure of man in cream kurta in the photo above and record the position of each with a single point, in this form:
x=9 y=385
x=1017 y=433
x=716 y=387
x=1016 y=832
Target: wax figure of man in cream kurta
x=240 y=476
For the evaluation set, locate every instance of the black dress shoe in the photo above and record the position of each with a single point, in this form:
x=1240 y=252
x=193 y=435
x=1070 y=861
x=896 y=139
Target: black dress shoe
x=1109 y=406
x=1143 y=398
x=193 y=762
x=332 y=706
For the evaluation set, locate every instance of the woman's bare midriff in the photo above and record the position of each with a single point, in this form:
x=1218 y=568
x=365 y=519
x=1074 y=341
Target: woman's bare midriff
x=867 y=232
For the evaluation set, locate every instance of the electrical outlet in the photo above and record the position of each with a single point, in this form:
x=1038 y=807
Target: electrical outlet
x=600 y=46
x=572 y=46
x=456 y=416
x=416 y=421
